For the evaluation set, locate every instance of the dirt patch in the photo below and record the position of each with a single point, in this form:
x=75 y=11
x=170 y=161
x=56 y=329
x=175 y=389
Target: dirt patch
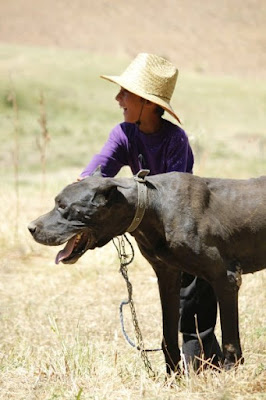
x=210 y=36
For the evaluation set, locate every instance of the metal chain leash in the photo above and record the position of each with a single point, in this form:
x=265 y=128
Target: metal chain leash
x=125 y=260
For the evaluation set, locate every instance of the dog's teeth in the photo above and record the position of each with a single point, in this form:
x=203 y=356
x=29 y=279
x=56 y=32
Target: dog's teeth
x=78 y=237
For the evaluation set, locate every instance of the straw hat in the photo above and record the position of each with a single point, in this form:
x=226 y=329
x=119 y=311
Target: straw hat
x=150 y=77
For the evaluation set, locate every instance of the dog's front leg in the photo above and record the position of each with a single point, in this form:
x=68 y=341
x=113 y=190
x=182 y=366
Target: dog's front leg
x=227 y=293
x=169 y=287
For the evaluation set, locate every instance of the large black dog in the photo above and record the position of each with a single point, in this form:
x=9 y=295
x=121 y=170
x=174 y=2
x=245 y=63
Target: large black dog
x=212 y=228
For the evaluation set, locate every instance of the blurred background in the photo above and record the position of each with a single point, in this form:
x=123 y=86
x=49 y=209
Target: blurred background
x=60 y=336
x=210 y=36
x=58 y=49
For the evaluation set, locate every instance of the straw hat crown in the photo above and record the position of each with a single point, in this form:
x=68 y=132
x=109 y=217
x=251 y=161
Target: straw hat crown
x=151 y=77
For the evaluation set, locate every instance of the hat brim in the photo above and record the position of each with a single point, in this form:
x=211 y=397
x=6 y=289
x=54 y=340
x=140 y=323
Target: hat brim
x=160 y=101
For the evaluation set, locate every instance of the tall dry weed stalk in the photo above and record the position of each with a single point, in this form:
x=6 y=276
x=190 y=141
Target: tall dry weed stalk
x=43 y=140
x=12 y=98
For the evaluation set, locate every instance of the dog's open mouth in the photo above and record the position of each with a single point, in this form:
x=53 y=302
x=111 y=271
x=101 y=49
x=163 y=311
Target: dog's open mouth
x=74 y=248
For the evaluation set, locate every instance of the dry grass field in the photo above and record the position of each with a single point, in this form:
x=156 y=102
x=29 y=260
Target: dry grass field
x=60 y=329
x=60 y=334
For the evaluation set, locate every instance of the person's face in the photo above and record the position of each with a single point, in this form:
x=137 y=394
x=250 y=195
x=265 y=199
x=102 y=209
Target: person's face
x=131 y=105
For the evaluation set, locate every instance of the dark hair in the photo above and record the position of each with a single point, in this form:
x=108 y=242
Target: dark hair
x=159 y=110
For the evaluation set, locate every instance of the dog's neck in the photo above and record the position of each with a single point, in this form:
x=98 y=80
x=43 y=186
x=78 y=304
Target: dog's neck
x=141 y=203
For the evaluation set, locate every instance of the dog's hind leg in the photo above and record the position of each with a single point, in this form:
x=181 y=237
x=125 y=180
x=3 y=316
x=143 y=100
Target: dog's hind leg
x=226 y=290
x=169 y=287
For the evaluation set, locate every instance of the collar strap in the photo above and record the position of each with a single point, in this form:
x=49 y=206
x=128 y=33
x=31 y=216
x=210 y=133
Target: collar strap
x=142 y=199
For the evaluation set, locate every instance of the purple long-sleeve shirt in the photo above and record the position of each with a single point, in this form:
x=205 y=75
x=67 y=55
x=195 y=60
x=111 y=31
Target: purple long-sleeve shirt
x=165 y=151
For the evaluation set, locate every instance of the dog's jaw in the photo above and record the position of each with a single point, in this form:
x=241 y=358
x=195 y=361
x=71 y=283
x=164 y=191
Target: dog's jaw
x=75 y=248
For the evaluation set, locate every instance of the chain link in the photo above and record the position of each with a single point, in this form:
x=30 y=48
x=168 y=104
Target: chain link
x=125 y=260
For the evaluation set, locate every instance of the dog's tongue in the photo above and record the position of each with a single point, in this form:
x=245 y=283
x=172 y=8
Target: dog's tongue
x=66 y=251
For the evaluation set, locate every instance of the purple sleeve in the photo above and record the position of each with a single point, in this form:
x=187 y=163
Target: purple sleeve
x=112 y=157
x=179 y=156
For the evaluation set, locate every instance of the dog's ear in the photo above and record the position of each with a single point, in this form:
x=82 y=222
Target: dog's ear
x=104 y=196
x=97 y=171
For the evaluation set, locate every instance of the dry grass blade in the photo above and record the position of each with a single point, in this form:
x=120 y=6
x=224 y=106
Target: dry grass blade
x=12 y=98
x=43 y=140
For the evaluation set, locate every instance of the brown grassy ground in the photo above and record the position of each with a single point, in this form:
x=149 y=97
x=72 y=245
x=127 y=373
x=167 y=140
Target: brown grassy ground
x=60 y=336
x=225 y=37
x=60 y=331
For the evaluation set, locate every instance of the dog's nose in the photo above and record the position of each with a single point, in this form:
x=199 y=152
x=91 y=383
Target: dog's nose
x=32 y=228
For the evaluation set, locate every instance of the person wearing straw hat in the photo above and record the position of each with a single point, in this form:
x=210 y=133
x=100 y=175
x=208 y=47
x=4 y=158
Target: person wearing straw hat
x=146 y=140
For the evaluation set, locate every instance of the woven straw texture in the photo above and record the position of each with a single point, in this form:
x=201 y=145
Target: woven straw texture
x=151 y=77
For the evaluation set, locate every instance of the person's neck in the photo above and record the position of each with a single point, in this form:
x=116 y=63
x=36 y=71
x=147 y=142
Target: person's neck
x=151 y=125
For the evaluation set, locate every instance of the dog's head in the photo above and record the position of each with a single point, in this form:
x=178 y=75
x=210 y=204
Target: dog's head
x=87 y=214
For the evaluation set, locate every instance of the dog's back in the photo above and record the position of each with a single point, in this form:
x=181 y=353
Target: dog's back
x=224 y=213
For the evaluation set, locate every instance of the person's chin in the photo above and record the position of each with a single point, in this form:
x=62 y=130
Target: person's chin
x=129 y=120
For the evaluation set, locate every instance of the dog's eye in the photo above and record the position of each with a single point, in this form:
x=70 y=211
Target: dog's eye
x=61 y=207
